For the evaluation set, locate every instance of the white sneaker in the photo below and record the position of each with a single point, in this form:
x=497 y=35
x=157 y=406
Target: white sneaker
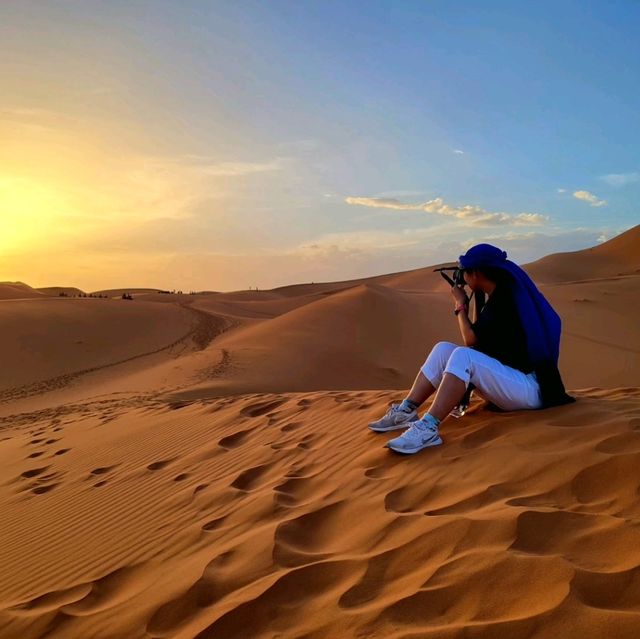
x=419 y=435
x=394 y=419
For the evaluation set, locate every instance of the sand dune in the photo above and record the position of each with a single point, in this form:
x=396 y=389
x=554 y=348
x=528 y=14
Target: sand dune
x=57 y=291
x=199 y=466
x=280 y=513
x=118 y=292
x=350 y=339
x=618 y=256
x=17 y=290
x=50 y=339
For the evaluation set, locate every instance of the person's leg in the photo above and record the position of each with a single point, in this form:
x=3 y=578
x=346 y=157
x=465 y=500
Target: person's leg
x=506 y=387
x=421 y=390
x=429 y=376
x=450 y=392
x=426 y=382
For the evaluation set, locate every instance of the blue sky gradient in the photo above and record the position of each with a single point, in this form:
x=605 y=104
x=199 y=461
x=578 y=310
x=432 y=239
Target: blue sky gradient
x=294 y=141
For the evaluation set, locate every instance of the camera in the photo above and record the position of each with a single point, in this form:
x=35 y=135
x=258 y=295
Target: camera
x=458 y=275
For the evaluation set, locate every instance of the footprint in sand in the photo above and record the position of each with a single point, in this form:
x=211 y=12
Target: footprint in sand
x=250 y=479
x=261 y=408
x=307 y=537
x=308 y=441
x=101 y=470
x=181 y=477
x=235 y=440
x=294 y=443
x=159 y=465
x=293 y=490
x=45 y=488
x=290 y=426
x=178 y=405
x=377 y=472
x=407 y=499
x=34 y=472
x=62 y=451
x=214 y=524
x=37 y=454
x=299 y=470
x=199 y=487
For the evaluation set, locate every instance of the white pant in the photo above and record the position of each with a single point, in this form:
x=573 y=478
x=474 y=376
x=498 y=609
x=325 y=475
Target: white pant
x=506 y=387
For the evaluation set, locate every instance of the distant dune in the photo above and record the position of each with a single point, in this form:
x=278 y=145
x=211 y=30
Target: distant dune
x=56 y=291
x=118 y=292
x=618 y=256
x=44 y=339
x=17 y=290
x=198 y=466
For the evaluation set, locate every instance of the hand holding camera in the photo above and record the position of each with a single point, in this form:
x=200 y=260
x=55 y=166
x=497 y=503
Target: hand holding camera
x=459 y=295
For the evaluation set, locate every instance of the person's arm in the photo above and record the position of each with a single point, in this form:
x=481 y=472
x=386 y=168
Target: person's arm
x=468 y=335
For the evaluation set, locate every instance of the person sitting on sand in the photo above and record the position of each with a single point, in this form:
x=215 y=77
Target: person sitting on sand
x=510 y=353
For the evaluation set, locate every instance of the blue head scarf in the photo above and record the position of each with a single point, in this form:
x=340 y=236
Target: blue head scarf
x=541 y=323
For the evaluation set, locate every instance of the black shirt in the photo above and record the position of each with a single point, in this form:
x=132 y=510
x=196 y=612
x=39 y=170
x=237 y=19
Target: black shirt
x=500 y=335
x=499 y=331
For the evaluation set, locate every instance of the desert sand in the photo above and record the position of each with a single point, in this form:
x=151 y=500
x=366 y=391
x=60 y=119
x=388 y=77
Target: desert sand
x=199 y=466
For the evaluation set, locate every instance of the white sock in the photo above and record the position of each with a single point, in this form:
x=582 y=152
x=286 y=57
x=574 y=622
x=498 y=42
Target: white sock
x=431 y=420
x=408 y=406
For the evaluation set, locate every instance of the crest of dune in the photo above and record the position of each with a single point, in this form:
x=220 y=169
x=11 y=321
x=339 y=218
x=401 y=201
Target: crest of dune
x=200 y=466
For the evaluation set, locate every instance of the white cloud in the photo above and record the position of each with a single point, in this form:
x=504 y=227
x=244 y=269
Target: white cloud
x=467 y=212
x=620 y=179
x=209 y=166
x=561 y=190
x=458 y=151
x=592 y=199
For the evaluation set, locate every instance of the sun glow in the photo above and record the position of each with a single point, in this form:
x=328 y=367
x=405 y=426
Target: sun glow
x=29 y=210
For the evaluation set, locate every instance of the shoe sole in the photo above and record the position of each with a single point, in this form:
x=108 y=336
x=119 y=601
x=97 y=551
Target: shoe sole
x=386 y=429
x=405 y=451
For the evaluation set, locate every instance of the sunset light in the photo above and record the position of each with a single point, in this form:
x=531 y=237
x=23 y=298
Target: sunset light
x=30 y=211
x=318 y=319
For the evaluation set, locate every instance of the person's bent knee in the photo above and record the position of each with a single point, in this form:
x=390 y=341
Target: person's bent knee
x=436 y=362
x=442 y=350
x=440 y=345
x=459 y=363
x=462 y=355
x=464 y=350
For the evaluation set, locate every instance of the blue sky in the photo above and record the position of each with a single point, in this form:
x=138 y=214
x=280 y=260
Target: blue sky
x=221 y=145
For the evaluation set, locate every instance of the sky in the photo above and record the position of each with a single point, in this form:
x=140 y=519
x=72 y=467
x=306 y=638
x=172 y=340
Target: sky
x=228 y=145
